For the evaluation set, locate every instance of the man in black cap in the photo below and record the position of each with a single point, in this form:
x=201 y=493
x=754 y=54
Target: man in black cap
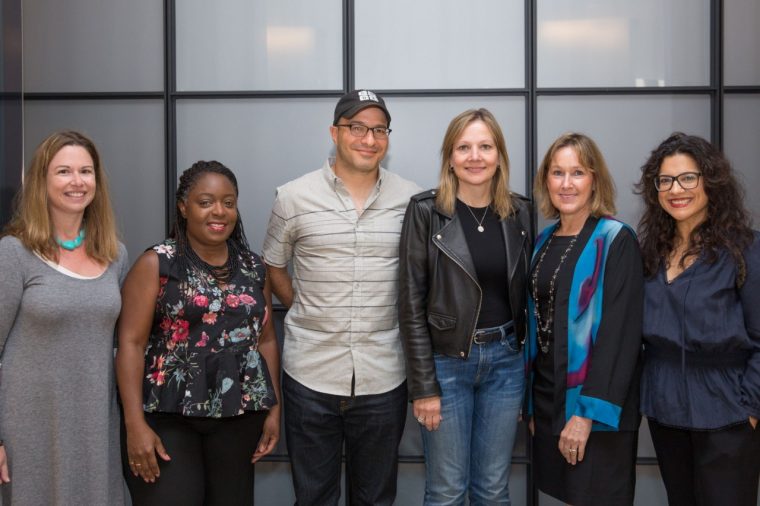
x=344 y=379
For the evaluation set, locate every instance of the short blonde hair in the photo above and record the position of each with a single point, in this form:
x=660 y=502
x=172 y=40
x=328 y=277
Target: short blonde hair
x=603 y=189
x=448 y=184
x=31 y=222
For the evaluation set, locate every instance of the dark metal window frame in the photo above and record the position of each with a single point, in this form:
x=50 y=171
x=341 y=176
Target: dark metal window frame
x=715 y=90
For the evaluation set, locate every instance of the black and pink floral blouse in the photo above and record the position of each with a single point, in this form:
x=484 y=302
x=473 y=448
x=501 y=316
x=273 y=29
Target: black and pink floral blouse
x=202 y=356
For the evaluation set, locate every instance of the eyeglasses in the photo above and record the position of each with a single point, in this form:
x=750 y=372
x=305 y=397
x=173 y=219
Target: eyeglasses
x=359 y=130
x=687 y=181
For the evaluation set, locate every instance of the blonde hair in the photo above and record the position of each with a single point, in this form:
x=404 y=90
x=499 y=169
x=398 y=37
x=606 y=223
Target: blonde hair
x=590 y=157
x=448 y=184
x=31 y=222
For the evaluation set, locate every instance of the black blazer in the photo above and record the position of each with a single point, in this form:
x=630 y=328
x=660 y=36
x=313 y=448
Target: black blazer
x=439 y=295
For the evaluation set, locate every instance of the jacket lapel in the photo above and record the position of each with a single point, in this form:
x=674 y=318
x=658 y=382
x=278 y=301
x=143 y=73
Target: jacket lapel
x=514 y=240
x=451 y=240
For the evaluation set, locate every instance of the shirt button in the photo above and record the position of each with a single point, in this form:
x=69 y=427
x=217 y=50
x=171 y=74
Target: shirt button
x=461 y=354
x=522 y=232
x=432 y=192
x=438 y=236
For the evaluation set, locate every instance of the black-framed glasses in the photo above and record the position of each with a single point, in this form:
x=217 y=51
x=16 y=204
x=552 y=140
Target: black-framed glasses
x=359 y=130
x=687 y=181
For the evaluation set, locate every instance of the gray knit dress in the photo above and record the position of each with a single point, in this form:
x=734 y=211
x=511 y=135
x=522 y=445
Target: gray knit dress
x=58 y=413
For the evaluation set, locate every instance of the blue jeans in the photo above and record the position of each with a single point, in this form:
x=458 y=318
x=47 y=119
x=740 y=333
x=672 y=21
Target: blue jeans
x=316 y=427
x=472 y=448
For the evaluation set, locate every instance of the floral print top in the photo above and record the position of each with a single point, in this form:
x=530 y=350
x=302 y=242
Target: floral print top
x=202 y=357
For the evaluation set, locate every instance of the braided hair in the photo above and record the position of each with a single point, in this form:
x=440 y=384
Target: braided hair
x=238 y=249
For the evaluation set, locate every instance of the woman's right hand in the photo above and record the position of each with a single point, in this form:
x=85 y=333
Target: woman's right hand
x=142 y=446
x=5 y=476
x=427 y=411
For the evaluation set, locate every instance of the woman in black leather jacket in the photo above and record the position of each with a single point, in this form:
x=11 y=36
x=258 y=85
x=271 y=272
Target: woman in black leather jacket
x=462 y=313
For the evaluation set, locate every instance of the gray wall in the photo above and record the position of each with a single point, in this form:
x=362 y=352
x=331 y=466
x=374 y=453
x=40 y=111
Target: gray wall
x=252 y=83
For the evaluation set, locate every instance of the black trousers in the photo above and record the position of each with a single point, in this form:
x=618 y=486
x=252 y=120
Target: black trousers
x=708 y=468
x=210 y=461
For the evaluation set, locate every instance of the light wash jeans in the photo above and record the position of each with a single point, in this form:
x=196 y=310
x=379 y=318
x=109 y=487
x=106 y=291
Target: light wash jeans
x=472 y=449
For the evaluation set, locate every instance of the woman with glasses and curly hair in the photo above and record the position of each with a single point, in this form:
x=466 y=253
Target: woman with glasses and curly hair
x=701 y=382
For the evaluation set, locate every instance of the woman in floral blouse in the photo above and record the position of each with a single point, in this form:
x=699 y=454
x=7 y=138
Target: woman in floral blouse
x=198 y=363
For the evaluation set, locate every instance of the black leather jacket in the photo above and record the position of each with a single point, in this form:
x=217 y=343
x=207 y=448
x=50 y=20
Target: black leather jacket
x=439 y=296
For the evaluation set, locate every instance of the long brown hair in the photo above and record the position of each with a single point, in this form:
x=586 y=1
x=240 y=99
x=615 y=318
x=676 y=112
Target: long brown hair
x=727 y=224
x=448 y=184
x=31 y=222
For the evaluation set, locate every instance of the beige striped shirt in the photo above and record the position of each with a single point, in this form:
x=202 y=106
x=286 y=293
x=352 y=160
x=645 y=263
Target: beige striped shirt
x=345 y=281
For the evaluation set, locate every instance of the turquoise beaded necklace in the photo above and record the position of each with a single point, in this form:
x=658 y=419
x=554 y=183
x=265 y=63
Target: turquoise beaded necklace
x=73 y=243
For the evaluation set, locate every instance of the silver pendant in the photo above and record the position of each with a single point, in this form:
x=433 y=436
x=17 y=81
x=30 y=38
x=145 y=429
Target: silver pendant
x=480 y=228
x=545 y=347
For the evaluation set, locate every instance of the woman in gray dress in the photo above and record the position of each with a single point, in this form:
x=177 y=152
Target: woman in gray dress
x=61 y=266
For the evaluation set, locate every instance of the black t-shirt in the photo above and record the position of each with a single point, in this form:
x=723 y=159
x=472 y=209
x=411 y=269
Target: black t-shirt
x=489 y=254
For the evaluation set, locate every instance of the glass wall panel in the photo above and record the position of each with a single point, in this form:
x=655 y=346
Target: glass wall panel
x=266 y=142
x=592 y=43
x=91 y=45
x=419 y=124
x=741 y=65
x=259 y=45
x=626 y=128
x=741 y=133
x=439 y=44
x=130 y=138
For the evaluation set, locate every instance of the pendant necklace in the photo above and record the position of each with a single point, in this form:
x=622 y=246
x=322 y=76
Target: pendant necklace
x=73 y=243
x=479 y=222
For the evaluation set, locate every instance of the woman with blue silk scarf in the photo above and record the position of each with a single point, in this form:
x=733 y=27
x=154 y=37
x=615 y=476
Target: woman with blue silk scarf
x=584 y=343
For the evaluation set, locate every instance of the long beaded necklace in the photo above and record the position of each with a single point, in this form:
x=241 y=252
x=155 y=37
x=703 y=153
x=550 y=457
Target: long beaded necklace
x=545 y=325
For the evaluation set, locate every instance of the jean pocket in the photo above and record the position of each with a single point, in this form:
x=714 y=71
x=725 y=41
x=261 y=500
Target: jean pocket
x=511 y=343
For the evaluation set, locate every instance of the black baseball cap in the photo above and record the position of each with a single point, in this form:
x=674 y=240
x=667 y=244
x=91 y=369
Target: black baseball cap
x=354 y=101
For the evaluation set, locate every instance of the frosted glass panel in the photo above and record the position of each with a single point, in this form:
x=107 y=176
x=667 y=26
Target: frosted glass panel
x=741 y=42
x=265 y=142
x=434 y=44
x=130 y=138
x=626 y=129
x=741 y=133
x=259 y=45
x=92 y=45
x=591 y=43
x=420 y=123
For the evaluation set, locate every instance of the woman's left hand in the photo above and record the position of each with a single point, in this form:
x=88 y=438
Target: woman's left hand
x=269 y=435
x=573 y=438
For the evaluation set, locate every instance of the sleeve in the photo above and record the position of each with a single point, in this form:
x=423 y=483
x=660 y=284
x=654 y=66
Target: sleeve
x=11 y=286
x=749 y=295
x=617 y=348
x=412 y=302
x=279 y=241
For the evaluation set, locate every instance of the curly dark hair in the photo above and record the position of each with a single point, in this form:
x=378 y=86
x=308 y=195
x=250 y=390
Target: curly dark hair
x=239 y=250
x=727 y=225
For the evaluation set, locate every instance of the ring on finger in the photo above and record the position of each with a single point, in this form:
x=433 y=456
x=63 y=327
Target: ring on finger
x=421 y=419
x=573 y=450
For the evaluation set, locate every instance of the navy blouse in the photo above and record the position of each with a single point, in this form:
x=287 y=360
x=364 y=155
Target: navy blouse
x=702 y=344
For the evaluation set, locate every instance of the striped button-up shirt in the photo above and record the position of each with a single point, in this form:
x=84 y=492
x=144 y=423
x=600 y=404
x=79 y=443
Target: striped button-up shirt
x=345 y=281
